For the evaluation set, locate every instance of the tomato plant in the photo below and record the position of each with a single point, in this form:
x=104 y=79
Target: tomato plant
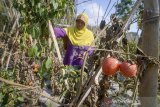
x=9 y=96
x=32 y=44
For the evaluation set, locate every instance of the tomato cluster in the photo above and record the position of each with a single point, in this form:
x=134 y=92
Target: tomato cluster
x=111 y=65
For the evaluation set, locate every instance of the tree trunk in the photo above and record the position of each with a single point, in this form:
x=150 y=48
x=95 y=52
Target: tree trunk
x=149 y=83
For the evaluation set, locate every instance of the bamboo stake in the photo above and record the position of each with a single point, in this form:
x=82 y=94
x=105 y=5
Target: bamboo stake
x=58 y=52
x=55 y=41
x=3 y=57
x=150 y=40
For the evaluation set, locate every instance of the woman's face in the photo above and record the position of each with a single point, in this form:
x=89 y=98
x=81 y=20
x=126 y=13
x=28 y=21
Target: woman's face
x=80 y=24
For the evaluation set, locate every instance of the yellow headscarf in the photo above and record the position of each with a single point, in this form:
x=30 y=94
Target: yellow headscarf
x=82 y=37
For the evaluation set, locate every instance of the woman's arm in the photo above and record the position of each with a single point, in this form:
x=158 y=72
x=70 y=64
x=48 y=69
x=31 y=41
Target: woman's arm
x=59 y=32
x=89 y=49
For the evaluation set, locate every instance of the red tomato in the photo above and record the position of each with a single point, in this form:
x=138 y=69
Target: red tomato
x=128 y=70
x=110 y=66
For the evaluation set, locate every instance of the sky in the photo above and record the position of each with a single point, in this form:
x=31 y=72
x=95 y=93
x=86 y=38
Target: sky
x=95 y=10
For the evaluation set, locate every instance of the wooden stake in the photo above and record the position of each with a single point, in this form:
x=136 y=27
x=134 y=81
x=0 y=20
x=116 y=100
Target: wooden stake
x=150 y=40
x=55 y=41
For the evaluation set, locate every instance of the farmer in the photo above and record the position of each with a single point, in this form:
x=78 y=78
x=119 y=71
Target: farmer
x=77 y=40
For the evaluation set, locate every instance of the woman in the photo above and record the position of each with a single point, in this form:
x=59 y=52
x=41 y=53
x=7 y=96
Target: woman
x=78 y=40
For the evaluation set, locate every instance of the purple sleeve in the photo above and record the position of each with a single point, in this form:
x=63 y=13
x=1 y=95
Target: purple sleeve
x=90 y=51
x=77 y=60
x=59 y=32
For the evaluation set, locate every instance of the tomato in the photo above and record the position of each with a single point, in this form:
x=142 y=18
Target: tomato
x=35 y=68
x=110 y=66
x=128 y=70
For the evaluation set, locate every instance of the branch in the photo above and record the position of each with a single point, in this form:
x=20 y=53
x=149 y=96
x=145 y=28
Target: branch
x=83 y=2
x=10 y=53
x=14 y=84
x=25 y=87
x=89 y=87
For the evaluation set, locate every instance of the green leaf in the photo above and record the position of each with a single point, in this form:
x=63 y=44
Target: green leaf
x=37 y=1
x=55 y=5
x=34 y=29
x=43 y=71
x=48 y=63
x=22 y=46
x=33 y=51
x=1 y=97
x=32 y=2
x=21 y=99
x=64 y=93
